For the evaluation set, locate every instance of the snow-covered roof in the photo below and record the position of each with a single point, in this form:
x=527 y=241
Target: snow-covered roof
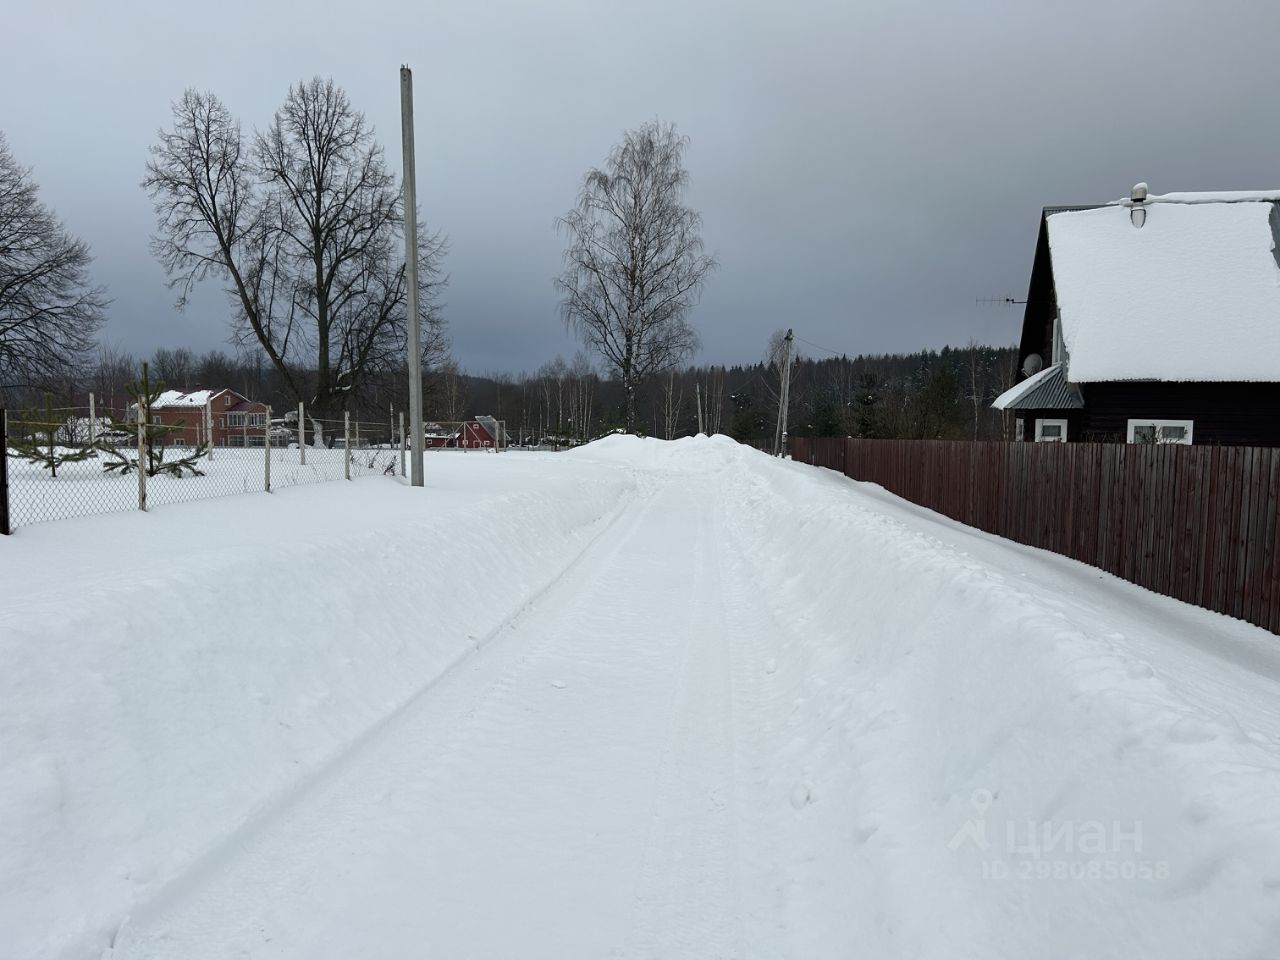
x=1193 y=294
x=1046 y=390
x=176 y=398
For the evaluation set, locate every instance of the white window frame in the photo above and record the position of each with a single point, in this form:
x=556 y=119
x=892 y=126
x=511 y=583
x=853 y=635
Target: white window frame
x=1158 y=424
x=1042 y=422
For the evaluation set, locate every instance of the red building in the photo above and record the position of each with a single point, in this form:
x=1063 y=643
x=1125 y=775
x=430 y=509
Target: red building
x=237 y=420
x=478 y=433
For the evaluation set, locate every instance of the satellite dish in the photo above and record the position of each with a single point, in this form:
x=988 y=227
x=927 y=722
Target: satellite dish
x=1032 y=365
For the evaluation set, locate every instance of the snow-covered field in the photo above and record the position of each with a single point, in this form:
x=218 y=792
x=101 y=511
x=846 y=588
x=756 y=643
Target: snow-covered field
x=642 y=699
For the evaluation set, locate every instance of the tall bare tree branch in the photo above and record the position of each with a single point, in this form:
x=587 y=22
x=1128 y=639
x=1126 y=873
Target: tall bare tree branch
x=305 y=225
x=49 y=308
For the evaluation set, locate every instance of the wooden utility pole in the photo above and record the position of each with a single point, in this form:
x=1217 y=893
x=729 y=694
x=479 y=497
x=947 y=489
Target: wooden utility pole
x=697 y=388
x=411 y=276
x=784 y=398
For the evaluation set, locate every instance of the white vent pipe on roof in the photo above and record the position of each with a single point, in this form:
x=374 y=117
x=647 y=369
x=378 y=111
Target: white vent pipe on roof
x=1137 y=201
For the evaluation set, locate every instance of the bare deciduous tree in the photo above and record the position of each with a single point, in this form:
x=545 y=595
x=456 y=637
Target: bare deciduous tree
x=49 y=308
x=112 y=370
x=672 y=405
x=306 y=227
x=452 y=392
x=634 y=267
x=177 y=368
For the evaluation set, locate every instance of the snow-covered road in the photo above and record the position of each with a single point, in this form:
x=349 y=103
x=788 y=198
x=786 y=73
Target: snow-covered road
x=641 y=700
x=569 y=791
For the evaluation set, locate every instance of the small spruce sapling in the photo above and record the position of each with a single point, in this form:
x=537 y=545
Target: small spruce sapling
x=124 y=460
x=42 y=446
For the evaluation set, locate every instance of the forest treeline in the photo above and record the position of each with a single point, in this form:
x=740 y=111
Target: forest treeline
x=931 y=393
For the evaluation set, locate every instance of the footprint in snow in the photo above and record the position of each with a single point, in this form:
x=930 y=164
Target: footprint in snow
x=802 y=795
x=559 y=684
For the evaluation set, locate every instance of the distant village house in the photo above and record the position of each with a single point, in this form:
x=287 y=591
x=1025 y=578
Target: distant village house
x=237 y=420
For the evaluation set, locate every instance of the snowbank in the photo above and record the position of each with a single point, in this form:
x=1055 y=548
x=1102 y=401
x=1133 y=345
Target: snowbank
x=985 y=750
x=171 y=676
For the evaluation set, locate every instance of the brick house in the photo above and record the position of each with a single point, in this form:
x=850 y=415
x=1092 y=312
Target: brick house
x=237 y=420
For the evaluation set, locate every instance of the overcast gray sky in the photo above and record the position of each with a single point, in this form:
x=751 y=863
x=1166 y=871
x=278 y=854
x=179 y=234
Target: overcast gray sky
x=865 y=170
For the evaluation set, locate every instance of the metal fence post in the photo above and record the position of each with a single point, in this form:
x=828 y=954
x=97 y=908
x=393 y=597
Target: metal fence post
x=142 y=447
x=402 y=443
x=302 y=434
x=346 y=444
x=266 y=446
x=5 y=529
x=93 y=423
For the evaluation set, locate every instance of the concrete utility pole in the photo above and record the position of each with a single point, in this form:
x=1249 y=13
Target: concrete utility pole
x=697 y=387
x=411 y=277
x=784 y=398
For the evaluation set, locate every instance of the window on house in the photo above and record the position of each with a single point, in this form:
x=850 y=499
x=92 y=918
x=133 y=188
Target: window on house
x=235 y=419
x=226 y=401
x=1160 y=431
x=155 y=418
x=1051 y=431
x=257 y=419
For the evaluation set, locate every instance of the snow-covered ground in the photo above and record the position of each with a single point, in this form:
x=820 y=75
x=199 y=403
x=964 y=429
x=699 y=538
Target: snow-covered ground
x=84 y=488
x=636 y=700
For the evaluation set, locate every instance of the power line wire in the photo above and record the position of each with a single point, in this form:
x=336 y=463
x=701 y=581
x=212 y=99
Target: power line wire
x=834 y=353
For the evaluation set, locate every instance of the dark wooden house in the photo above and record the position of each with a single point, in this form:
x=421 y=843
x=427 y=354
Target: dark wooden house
x=1154 y=319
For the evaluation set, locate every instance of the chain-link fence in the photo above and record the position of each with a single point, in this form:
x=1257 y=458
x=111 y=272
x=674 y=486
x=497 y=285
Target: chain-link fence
x=64 y=462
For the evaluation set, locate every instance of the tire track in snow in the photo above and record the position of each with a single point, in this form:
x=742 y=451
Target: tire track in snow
x=688 y=900
x=507 y=797
x=189 y=881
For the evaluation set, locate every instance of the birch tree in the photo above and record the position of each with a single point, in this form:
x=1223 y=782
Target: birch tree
x=634 y=266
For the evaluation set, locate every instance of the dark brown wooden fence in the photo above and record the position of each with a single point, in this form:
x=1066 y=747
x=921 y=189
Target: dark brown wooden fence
x=1195 y=523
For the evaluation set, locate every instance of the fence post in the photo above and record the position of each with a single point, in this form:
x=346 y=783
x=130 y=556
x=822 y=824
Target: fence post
x=402 y=443
x=5 y=529
x=346 y=444
x=93 y=423
x=266 y=446
x=302 y=434
x=208 y=425
x=142 y=447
